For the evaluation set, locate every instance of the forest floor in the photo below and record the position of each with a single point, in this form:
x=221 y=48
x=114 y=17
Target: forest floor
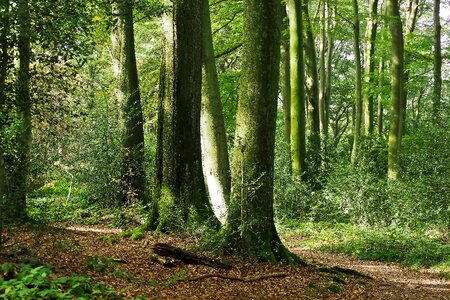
x=130 y=267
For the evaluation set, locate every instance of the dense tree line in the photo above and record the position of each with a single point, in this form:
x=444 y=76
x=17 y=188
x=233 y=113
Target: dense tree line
x=180 y=106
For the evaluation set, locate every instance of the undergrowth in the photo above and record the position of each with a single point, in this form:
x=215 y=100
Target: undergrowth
x=416 y=248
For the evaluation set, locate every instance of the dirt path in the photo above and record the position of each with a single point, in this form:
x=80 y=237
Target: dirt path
x=391 y=281
x=72 y=249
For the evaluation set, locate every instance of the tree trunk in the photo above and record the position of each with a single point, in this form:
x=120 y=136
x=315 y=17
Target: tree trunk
x=4 y=47
x=286 y=80
x=297 y=76
x=380 y=99
x=411 y=21
x=250 y=224
x=19 y=173
x=330 y=16
x=369 y=67
x=358 y=86
x=213 y=136
x=313 y=85
x=322 y=88
x=180 y=184
x=128 y=96
x=397 y=87
x=437 y=72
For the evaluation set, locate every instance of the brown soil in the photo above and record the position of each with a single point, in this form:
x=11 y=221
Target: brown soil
x=70 y=248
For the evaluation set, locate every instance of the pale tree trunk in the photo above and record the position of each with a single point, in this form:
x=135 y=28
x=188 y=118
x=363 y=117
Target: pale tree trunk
x=128 y=96
x=369 y=67
x=180 y=184
x=297 y=76
x=437 y=67
x=397 y=87
x=323 y=84
x=250 y=224
x=358 y=86
x=216 y=167
x=313 y=86
x=411 y=21
x=380 y=99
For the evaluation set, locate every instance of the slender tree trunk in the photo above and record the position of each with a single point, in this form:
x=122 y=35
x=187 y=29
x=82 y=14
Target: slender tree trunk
x=369 y=67
x=322 y=88
x=358 y=86
x=286 y=80
x=213 y=136
x=297 y=75
x=18 y=190
x=313 y=85
x=397 y=73
x=437 y=67
x=250 y=224
x=128 y=95
x=4 y=55
x=330 y=25
x=411 y=20
x=380 y=99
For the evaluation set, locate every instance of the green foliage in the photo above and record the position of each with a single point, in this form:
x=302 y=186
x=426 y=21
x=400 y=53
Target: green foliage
x=99 y=263
x=412 y=248
x=25 y=282
x=178 y=276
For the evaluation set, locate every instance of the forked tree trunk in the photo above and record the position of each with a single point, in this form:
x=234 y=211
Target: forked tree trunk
x=213 y=136
x=180 y=185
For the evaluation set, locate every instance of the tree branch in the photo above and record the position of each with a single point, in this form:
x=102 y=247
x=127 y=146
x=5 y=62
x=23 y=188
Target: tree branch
x=243 y=279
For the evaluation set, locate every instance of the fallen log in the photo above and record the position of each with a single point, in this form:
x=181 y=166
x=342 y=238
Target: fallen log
x=166 y=250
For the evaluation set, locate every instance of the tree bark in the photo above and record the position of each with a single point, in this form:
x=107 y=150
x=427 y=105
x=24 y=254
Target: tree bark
x=397 y=72
x=297 y=79
x=128 y=96
x=19 y=173
x=380 y=99
x=369 y=67
x=358 y=86
x=216 y=166
x=250 y=224
x=313 y=87
x=180 y=184
x=437 y=67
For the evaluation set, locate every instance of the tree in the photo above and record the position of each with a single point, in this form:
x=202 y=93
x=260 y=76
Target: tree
x=437 y=61
x=19 y=173
x=369 y=67
x=179 y=176
x=358 y=85
x=297 y=94
x=250 y=225
x=396 y=111
x=216 y=166
x=128 y=96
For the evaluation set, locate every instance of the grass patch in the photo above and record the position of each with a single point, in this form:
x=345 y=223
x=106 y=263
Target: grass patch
x=429 y=248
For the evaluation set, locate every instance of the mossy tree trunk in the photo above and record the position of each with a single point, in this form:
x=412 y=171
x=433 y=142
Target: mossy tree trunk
x=128 y=96
x=17 y=190
x=312 y=81
x=297 y=83
x=285 y=76
x=180 y=184
x=380 y=109
x=396 y=111
x=369 y=67
x=250 y=224
x=216 y=166
x=358 y=85
x=437 y=67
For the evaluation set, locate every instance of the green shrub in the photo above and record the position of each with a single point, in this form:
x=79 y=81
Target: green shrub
x=25 y=282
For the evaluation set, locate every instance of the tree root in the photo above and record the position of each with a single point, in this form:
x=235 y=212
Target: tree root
x=243 y=279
